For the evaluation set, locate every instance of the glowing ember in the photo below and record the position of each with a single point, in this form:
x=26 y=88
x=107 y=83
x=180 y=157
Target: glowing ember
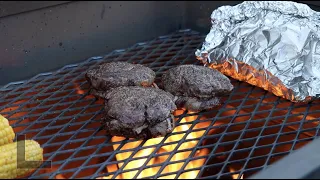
x=60 y=176
x=173 y=167
x=51 y=170
x=255 y=78
x=81 y=91
x=235 y=176
x=78 y=89
x=9 y=109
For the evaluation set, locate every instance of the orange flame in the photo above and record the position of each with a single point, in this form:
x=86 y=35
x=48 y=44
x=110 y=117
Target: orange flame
x=81 y=91
x=173 y=167
x=256 y=78
x=235 y=176
x=9 y=109
x=60 y=176
x=78 y=89
x=51 y=170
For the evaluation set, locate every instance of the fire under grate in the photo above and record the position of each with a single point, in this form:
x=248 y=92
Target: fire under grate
x=248 y=132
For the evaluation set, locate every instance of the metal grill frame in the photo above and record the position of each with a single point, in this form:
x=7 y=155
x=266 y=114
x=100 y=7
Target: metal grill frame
x=160 y=54
x=288 y=168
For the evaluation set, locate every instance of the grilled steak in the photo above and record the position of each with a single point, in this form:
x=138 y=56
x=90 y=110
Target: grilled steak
x=138 y=112
x=196 y=104
x=196 y=87
x=115 y=74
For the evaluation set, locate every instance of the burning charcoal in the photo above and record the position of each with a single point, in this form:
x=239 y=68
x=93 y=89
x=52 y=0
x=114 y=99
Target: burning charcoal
x=115 y=74
x=138 y=112
x=196 y=87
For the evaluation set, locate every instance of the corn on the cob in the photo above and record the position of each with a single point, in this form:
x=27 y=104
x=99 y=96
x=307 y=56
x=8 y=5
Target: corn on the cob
x=6 y=131
x=9 y=167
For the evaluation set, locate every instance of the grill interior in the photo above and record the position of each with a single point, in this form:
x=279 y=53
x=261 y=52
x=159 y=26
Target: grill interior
x=248 y=132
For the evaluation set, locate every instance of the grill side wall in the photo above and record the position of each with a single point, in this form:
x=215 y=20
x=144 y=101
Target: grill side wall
x=45 y=39
x=43 y=36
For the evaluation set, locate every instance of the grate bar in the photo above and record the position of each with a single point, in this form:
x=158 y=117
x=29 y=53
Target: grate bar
x=243 y=132
x=290 y=168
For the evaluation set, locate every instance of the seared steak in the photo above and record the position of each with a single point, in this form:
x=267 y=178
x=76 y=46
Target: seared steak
x=138 y=112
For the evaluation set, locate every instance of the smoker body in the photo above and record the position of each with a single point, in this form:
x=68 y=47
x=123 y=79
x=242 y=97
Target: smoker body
x=45 y=36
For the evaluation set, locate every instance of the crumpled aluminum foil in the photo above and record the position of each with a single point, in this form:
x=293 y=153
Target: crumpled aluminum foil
x=274 y=45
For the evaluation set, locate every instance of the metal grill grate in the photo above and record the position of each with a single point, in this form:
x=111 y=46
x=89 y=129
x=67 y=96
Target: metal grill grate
x=251 y=130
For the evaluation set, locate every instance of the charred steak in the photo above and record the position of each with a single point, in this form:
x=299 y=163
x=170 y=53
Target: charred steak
x=196 y=87
x=115 y=74
x=138 y=112
x=196 y=104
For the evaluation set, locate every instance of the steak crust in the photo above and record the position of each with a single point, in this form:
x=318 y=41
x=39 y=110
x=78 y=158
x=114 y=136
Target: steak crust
x=115 y=74
x=137 y=112
x=196 y=87
x=196 y=104
x=196 y=81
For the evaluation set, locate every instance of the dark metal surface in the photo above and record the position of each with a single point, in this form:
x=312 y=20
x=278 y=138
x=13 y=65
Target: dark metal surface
x=301 y=164
x=49 y=38
x=314 y=4
x=37 y=40
x=249 y=131
x=198 y=13
x=15 y=7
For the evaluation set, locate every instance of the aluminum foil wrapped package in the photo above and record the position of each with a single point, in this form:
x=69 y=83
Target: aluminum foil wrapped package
x=274 y=45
